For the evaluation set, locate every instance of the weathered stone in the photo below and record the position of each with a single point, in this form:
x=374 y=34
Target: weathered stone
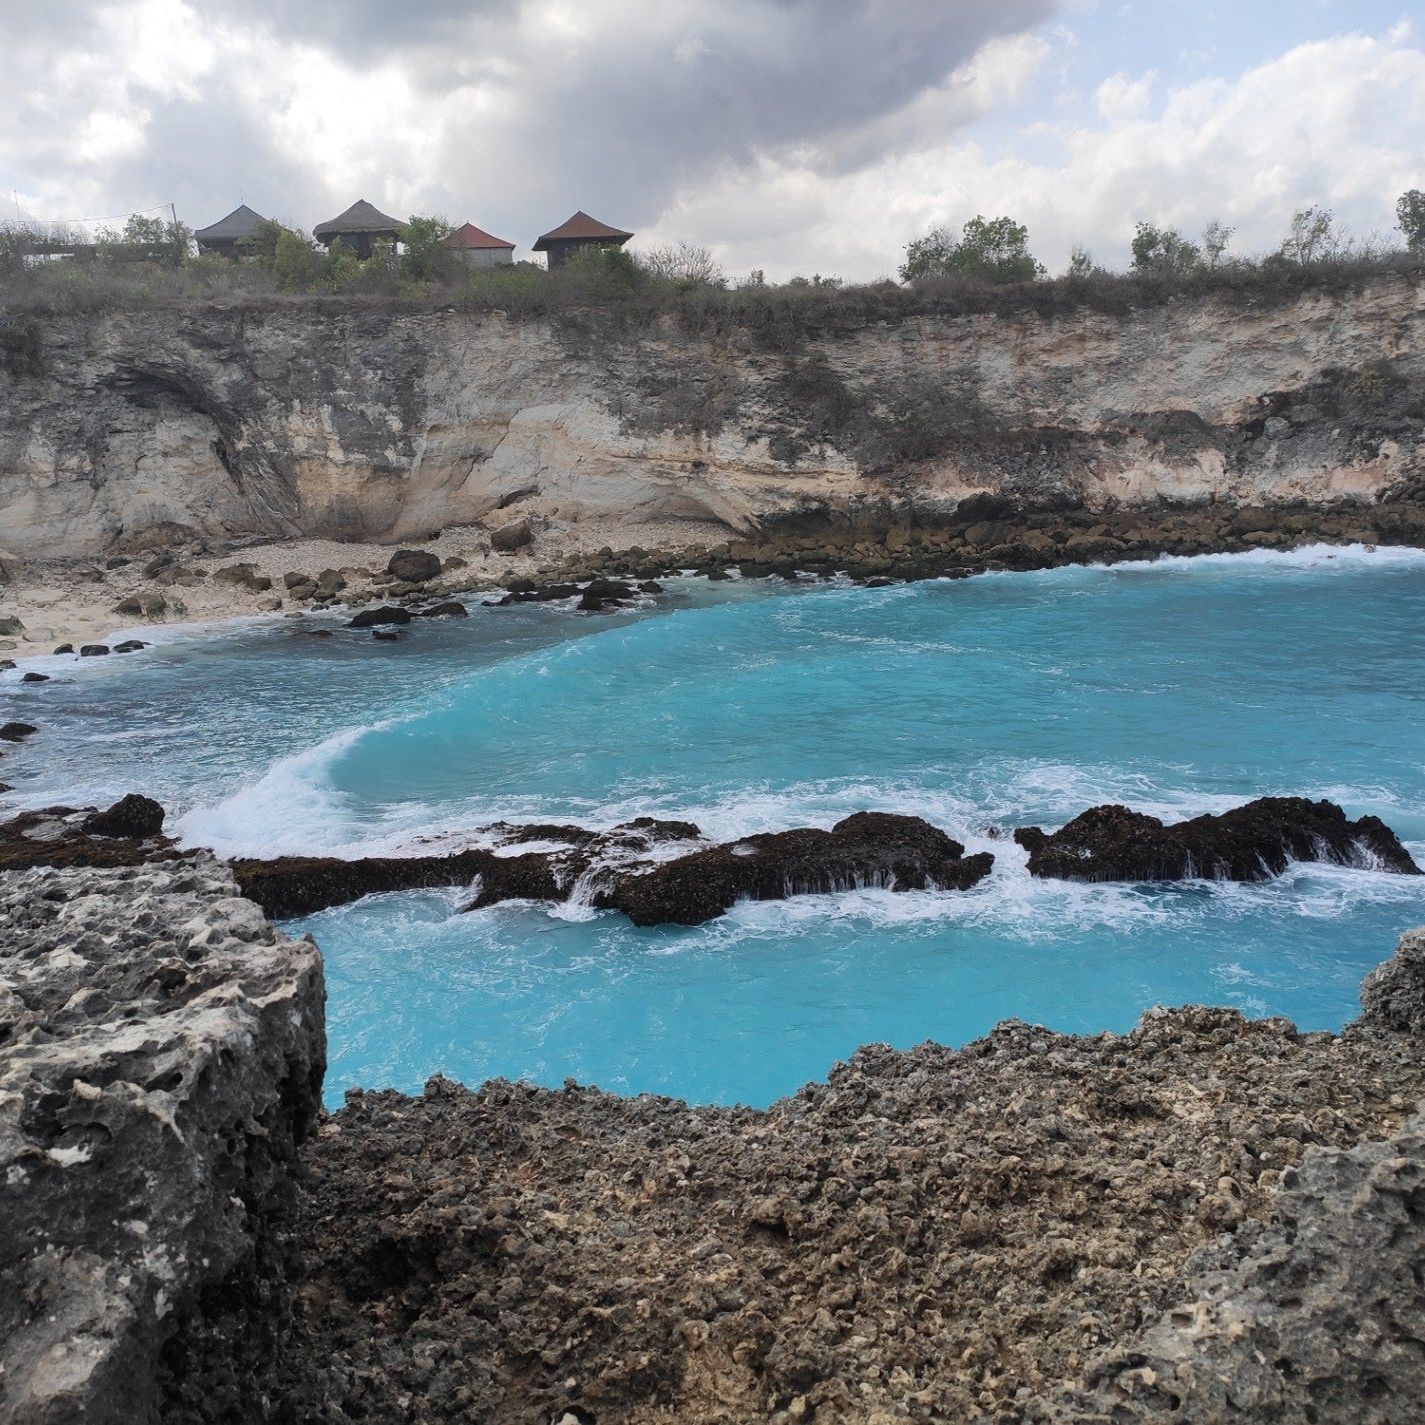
x=371 y=618
x=415 y=566
x=1249 y=843
x=132 y=815
x=507 y=538
x=161 y=1061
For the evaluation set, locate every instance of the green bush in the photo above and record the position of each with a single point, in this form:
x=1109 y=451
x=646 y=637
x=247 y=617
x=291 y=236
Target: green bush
x=993 y=250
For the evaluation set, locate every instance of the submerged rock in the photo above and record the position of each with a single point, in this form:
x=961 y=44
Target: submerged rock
x=868 y=849
x=17 y=731
x=1250 y=843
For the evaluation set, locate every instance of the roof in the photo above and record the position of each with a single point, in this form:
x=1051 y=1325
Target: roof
x=467 y=235
x=581 y=225
x=241 y=223
x=361 y=217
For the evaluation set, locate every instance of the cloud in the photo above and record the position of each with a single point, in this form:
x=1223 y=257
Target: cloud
x=513 y=113
x=1331 y=123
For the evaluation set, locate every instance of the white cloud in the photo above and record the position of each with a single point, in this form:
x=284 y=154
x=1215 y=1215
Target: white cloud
x=1122 y=97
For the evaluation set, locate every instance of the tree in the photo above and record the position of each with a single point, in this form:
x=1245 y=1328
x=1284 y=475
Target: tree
x=1410 y=219
x=994 y=250
x=683 y=263
x=1215 y=238
x=1081 y=263
x=296 y=263
x=426 y=257
x=264 y=243
x=1313 y=236
x=1163 y=252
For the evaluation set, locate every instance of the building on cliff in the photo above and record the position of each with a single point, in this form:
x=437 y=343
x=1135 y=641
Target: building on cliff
x=363 y=228
x=577 y=233
x=232 y=236
x=477 y=248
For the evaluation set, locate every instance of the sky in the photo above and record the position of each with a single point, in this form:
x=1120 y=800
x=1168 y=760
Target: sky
x=791 y=136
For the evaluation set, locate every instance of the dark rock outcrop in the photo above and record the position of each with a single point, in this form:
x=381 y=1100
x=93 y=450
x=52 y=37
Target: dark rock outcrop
x=451 y=608
x=415 y=566
x=1249 y=843
x=161 y=1059
x=867 y=849
x=373 y=618
x=17 y=731
x=134 y=816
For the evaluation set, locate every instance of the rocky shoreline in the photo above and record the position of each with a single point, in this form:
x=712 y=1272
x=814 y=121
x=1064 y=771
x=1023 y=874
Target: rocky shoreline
x=48 y=604
x=1206 y=1218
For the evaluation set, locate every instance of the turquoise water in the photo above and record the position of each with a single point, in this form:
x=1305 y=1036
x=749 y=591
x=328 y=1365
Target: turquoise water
x=1179 y=687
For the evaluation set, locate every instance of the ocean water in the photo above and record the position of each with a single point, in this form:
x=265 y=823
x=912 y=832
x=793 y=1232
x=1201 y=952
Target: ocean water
x=1177 y=687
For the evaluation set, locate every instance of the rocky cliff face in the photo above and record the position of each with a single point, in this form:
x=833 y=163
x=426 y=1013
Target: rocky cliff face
x=161 y=1056
x=373 y=424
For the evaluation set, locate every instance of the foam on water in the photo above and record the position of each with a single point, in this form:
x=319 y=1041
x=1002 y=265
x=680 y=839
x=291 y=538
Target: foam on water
x=1177 y=687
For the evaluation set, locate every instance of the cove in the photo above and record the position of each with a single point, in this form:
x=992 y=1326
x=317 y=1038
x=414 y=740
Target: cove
x=1177 y=687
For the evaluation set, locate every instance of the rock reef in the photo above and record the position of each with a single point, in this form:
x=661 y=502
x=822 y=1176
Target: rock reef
x=1249 y=843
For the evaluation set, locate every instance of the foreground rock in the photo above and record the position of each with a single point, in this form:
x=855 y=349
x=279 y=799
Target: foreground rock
x=161 y=1057
x=1007 y=1232
x=1250 y=843
x=129 y=833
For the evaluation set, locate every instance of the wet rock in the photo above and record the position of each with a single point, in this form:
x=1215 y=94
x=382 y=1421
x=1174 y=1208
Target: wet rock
x=867 y=849
x=451 y=608
x=92 y=650
x=415 y=566
x=65 y=648
x=650 y=586
x=61 y=836
x=507 y=538
x=371 y=618
x=301 y=885
x=1250 y=843
x=163 y=1057
x=385 y=635
x=17 y=731
x=130 y=645
x=608 y=589
x=6 y=664
x=134 y=816
x=35 y=678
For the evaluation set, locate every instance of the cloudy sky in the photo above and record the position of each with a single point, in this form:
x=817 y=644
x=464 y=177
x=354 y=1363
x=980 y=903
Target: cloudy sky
x=790 y=135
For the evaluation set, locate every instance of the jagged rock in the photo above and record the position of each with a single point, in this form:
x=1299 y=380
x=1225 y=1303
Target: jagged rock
x=134 y=816
x=61 y=836
x=370 y=618
x=1393 y=994
x=867 y=849
x=17 y=731
x=287 y=886
x=162 y=1059
x=1250 y=843
x=415 y=566
x=507 y=538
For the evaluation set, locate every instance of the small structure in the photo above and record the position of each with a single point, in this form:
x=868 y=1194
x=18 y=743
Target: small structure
x=232 y=236
x=362 y=228
x=477 y=248
x=579 y=232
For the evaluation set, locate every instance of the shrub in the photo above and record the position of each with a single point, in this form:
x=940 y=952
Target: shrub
x=298 y=266
x=995 y=250
x=1410 y=219
x=1163 y=252
x=426 y=257
x=683 y=264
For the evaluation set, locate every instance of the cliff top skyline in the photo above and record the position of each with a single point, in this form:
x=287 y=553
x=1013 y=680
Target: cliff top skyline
x=784 y=135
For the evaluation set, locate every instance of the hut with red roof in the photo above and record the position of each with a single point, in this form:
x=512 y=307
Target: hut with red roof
x=579 y=232
x=477 y=248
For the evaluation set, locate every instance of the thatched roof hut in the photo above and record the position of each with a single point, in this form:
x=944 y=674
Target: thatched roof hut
x=231 y=235
x=362 y=228
x=576 y=233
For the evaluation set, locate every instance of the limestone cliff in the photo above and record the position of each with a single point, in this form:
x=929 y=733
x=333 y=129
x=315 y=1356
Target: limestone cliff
x=376 y=423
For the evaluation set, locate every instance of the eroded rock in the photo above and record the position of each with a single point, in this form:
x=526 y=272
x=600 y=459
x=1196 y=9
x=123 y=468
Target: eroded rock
x=161 y=1057
x=1250 y=843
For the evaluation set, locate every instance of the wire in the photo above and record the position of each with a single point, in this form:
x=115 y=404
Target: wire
x=110 y=218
